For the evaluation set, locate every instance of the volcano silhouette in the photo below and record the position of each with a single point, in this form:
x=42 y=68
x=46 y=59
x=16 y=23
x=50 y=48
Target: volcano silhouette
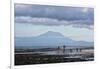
x=49 y=38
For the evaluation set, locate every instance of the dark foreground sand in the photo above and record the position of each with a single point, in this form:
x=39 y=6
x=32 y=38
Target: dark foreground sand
x=27 y=59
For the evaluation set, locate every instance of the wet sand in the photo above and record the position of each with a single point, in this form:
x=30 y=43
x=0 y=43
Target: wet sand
x=27 y=58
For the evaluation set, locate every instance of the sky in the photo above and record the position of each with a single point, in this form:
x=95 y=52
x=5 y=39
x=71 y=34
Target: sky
x=76 y=23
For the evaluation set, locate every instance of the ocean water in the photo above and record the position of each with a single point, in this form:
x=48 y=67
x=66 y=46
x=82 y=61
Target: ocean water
x=34 y=47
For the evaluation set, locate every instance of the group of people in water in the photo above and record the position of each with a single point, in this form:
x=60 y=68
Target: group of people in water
x=59 y=49
x=63 y=49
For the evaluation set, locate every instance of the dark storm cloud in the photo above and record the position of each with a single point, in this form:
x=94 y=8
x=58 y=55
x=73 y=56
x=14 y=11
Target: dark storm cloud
x=53 y=15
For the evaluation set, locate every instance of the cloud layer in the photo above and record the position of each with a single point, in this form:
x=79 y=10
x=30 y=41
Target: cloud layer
x=54 y=15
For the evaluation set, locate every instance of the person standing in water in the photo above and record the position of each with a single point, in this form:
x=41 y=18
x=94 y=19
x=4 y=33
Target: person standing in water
x=64 y=49
x=58 y=50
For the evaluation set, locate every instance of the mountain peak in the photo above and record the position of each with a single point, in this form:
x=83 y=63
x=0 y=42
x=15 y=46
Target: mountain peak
x=51 y=34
